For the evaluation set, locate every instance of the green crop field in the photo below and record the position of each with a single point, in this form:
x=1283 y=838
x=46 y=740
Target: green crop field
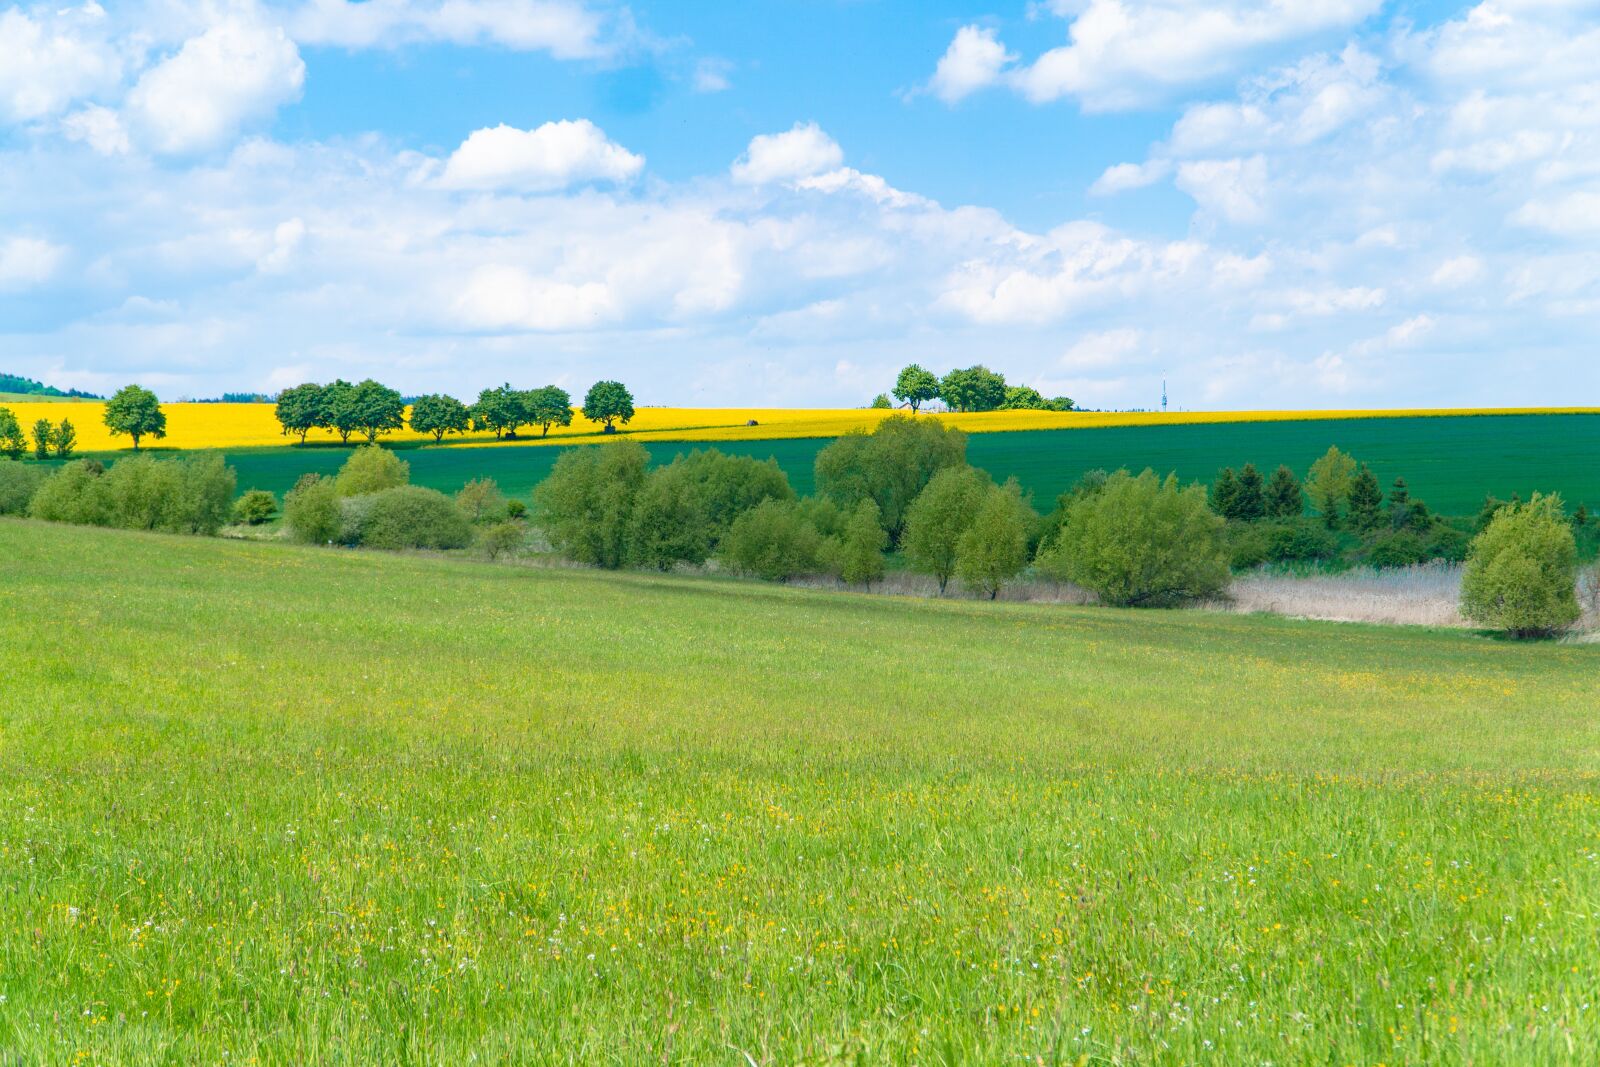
x=283 y=805
x=1450 y=462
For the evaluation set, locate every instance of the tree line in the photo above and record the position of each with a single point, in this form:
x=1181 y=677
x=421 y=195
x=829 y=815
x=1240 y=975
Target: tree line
x=975 y=388
x=58 y=440
x=370 y=409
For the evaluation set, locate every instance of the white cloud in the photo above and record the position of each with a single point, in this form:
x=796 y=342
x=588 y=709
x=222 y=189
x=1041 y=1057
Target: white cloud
x=239 y=70
x=28 y=261
x=1235 y=189
x=554 y=156
x=1103 y=350
x=780 y=157
x=98 y=127
x=51 y=58
x=565 y=29
x=1458 y=271
x=711 y=76
x=1122 y=177
x=1128 y=53
x=1571 y=214
x=973 y=61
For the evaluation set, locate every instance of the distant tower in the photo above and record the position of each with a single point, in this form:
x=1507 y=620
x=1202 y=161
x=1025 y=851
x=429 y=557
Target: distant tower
x=1163 y=393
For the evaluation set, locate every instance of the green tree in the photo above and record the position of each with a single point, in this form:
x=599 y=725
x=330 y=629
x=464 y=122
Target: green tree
x=302 y=409
x=881 y=402
x=1366 y=501
x=973 y=389
x=311 y=510
x=503 y=410
x=341 y=412
x=858 y=551
x=502 y=539
x=586 y=503
x=1142 y=541
x=669 y=524
x=480 y=500
x=891 y=465
x=255 y=508
x=378 y=410
x=1061 y=403
x=438 y=414
x=18 y=483
x=1225 y=493
x=1285 y=499
x=136 y=412
x=12 y=441
x=1521 y=573
x=66 y=439
x=1328 y=484
x=1250 y=503
x=608 y=403
x=994 y=548
x=1024 y=398
x=72 y=494
x=413 y=516
x=43 y=435
x=916 y=386
x=939 y=517
x=549 y=406
x=371 y=469
x=773 y=540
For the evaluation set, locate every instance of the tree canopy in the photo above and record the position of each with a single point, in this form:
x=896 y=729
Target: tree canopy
x=438 y=414
x=608 y=403
x=136 y=412
x=916 y=386
x=974 y=388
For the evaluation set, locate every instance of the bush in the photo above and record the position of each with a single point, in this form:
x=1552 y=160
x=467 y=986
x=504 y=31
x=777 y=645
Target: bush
x=311 y=510
x=501 y=539
x=668 y=524
x=516 y=509
x=72 y=494
x=255 y=508
x=480 y=500
x=1521 y=573
x=371 y=469
x=1249 y=545
x=190 y=495
x=1142 y=541
x=940 y=516
x=18 y=483
x=1300 y=541
x=410 y=516
x=585 y=504
x=774 y=541
x=1400 y=548
x=891 y=465
x=856 y=555
x=994 y=548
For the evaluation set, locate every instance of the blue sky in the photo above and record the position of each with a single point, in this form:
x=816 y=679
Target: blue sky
x=1308 y=204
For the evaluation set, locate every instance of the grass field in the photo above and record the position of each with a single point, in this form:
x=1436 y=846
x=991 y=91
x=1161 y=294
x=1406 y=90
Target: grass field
x=280 y=805
x=1451 y=463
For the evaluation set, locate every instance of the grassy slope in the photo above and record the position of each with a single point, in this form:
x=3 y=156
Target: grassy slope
x=329 y=807
x=1450 y=462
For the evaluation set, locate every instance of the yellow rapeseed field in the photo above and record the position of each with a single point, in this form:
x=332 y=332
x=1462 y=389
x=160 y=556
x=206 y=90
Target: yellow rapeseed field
x=253 y=425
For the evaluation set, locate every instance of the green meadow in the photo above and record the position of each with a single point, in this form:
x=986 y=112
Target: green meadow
x=281 y=805
x=1450 y=462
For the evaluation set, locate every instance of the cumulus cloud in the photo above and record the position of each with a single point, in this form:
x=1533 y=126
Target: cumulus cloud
x=780 y=157
x=1129 y=53
x=98 y=127
x=1121 y=177
x=239 y=70
x=28 y=261
x=50 y=58
x=1235 y=189
x=553 y=156
x=563 y=28
x=973 y=61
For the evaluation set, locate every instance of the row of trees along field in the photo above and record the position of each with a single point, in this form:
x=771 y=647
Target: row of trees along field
x=370 y=409
x=58 y=440
x=1133 y=540
x=134 y=412
x=975 y=388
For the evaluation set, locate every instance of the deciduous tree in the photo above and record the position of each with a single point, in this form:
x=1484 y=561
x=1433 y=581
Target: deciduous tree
x=136 y=412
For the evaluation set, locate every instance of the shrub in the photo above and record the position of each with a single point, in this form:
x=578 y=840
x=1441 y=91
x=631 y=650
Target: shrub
x=255 y=508
x=371 y=469
x=1521 y=573
x=1398 y=548
x=1142 y=541
x=585 y=504
x=1249 y=545
x=480 y=500
x=857 y=553
x=516 y=509
x=18 y=483
x=1448 y=543
x=1300 y=541
x=410 y=516
x=501 y=538
x=891 y=465
x=774 y=541
x=12 y=441
x=311 y=510
x=938 y=518
x=994 y=548
x=206 y=485
x=668 y=524
x=72 y=494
